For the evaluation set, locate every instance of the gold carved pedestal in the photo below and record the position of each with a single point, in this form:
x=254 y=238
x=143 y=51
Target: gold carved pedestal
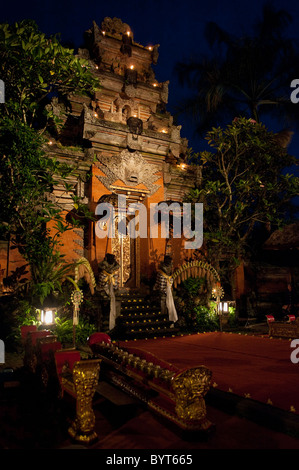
x=190 y=386
x=85 y=377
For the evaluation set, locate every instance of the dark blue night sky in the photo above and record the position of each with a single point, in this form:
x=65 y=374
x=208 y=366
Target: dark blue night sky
x=177 y=25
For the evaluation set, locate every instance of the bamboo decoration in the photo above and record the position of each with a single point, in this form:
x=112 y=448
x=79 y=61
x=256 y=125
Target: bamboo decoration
x=195 y=269
x=83 y=269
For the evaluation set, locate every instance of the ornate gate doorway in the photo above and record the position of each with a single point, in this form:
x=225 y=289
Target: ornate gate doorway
x=127 y=254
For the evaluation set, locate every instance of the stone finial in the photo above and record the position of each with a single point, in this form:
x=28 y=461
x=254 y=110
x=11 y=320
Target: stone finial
x=164 y=92
x=96 y=32
x=116 y=27
x=155 y=53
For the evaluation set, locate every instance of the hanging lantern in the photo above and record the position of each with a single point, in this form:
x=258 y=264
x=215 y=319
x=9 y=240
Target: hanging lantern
x=223 y=307
x=48 y=310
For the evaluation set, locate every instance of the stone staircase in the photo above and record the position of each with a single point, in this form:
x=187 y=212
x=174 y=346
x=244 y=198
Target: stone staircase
x=141 y=317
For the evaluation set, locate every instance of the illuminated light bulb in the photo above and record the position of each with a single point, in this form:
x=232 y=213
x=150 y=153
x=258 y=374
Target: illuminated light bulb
x=132 y=67
x=128 y=33
x=95 y=114
x=97 y=67
x=155 y=84
x=50 y=142
x=103 y=33
x=47 y=317
x=164 y=131
x=150 y=48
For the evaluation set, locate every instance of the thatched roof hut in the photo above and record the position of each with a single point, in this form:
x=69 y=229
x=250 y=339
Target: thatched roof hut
x=284 y=239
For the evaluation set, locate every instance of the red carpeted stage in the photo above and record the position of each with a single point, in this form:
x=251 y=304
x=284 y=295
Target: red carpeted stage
x=255 y=387
x=252 y=367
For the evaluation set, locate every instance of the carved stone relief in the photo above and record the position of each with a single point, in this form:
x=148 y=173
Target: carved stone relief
x=115 y=26
x=131 y=168
x=130 y=90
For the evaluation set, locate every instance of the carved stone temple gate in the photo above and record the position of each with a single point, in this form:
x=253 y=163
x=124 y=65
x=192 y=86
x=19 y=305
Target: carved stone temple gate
x=127 y=254
x=121 y=140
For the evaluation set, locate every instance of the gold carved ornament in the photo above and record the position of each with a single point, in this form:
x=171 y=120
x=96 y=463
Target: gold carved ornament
x=121 y=248
x=76 y=299
x=190 y=387
x=85 y=381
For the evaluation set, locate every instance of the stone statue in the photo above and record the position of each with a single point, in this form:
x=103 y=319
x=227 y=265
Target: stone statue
x=135 y=125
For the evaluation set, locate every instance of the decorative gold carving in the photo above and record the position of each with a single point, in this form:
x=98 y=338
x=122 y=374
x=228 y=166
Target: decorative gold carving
x=84 y=383
x=183 y=391
x=190 y=387
x=127 y=254
x=121 y=249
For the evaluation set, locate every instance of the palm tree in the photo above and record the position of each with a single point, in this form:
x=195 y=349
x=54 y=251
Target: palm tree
x=248 y=75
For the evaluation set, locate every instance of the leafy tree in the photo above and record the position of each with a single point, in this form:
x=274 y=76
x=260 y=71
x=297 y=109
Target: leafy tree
x=242 y=186
x=193 y=300
x=249 y=75
x=27 y=180
x=34 y=69
x=27 y=175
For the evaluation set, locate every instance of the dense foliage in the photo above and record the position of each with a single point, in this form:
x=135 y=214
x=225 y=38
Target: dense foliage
x=34 y=69
x=242 y=186
x=195 y=309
